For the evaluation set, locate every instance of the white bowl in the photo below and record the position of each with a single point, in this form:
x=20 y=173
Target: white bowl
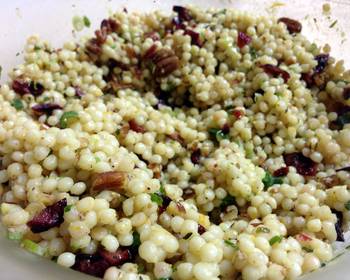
x=52 y=20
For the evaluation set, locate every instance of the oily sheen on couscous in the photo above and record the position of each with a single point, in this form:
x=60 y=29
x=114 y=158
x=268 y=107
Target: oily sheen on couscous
x=201 y=144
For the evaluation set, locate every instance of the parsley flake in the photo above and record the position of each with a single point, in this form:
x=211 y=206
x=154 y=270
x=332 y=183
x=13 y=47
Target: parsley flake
x=275 y=239
x=18 y=104
x=68 y=118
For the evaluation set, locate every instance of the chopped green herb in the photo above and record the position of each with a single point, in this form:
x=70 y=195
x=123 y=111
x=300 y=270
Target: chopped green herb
x=270 y=180
x=347 y=205
x=313 y=47
x=33 y=247
x=37 y=48
x=68 y=118
x=14 y=235
x=87 y=22
x=227 y=201
x=117 y=132
x=141 y=268
x=323 y=264
x=262 y=230
x=187 y=236
x=253 y=53
x=221 y=12
x=155 y=197
x=275 y=239
x=18 y=104
x=249 y=152
x=67 y=208
x=231 y=244
x=217 y=134
x=97 y=159
x=333 y=23
x=279 y=94
x=174 y=268
x=309 y=250
x=161 y=189
x=136 y=242
x=113 y=46
x=17 y=54
x=169 y=87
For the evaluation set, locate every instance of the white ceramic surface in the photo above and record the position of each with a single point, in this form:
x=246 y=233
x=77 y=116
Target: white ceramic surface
x=52 y=20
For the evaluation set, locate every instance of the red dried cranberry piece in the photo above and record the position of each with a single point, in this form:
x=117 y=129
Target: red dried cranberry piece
x=45 y=108
x=243 y=39
x=304 y=165
x=93 y=265
x=346 y=93
x=183 y=13
x=201 y=229
x=196 y=156
x=283 y=171
x=226 y=128
x=275 y=71
x=110 y=25
x=36 y=88
x=195 y=37
x=322 y=62
x=177 y=24
x=136 y=127
x=119 y=257
x=292 y=25
x=308 y=79
x=51 y=216
x=21 y=87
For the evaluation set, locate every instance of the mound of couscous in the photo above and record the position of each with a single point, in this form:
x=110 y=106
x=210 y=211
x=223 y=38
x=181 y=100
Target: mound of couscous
x=205 y=144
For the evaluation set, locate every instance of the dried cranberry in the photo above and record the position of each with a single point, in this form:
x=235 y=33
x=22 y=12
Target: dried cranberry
x=237 y=113
x=346 y=93
x=51 y=216
x=283 y=171
x=177 y=23
x=136 y=127
x=304 y=165
x=195 y=37
x=243 y=39
x=183 y=13
x=93 y=265
x=201 y=229
x=21 y=87
x=275 y=71
x=79 y=92
x=292 y=25
x=322 y=62
x=196 y=156
x=308 y=79
x=45 y=108
x=110 y=25
x=119 y=257
x=36 y=88
x=226 y=128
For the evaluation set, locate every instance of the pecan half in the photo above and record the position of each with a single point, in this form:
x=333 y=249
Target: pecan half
x=111 y=180
x=165 y=61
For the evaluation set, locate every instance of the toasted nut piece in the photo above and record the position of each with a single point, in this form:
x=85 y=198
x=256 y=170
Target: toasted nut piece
x=111 y=180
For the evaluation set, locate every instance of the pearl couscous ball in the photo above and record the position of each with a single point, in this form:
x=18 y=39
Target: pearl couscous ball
x=205 y=145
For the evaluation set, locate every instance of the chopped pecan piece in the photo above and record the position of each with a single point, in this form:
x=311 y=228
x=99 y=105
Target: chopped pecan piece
x=136 y=127
x=292 y=25
x=111 y=180
x=165 y=61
